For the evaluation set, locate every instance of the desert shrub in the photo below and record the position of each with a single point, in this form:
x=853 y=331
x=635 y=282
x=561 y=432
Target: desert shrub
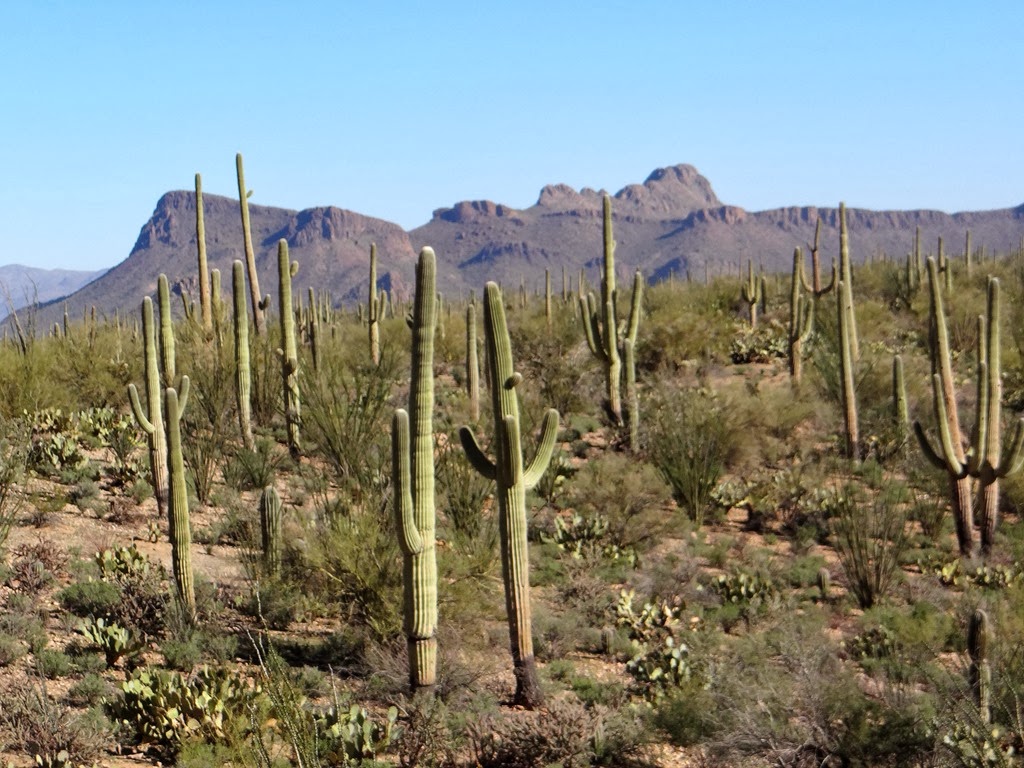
x=144 y=600
x=567 y=734
x=461 y=490
x=690 y=441
x=52 y=664
x=11 y=649
x=46 y=730
x=254 y=469
x=630 y=496
x=91 y=690
x=870 y=538
x=34 y=566
x=346 y=413
x=763 y=344
x=90 y=598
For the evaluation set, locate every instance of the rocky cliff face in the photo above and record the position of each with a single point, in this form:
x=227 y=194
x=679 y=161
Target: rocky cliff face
x=671 y=223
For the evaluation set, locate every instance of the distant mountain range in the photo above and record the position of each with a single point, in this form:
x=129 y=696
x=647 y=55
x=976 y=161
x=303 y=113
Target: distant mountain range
x=673 y=222
x=21 y=285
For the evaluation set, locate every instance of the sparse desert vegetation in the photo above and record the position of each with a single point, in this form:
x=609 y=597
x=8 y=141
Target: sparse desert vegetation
x=695 y=554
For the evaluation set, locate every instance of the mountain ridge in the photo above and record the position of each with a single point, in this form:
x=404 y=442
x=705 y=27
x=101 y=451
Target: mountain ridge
x=671 y=222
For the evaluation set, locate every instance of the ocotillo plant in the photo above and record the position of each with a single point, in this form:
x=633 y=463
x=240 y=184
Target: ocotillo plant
x=980 y=672
x=413 y=478
x=288 y=352
x=987 y=462
x=259 y=304
x=374 y=308
x=951 y=456
x=512 y=483
x=751 y=292
x=205 y=305
x=601 y=323
x=243 y=373
x=472 y=364
x=151 y=419
x=270 y=529
x=801 y=318
x=180 y=531
x=846 y=363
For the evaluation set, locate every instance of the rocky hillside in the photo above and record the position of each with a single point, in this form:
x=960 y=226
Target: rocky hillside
x=673 y=222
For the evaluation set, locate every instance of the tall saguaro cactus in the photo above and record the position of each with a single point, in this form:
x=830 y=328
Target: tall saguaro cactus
x=270 y=529
x=846 y=283
x=243 y=372
x=815 y=288
x=205 y=304
x=288 y=352
x=472 y=364
x=987 y=461
x=412 y=453
x=178 y=515
x=951 y=456
x=801 y=317
x=151 y=419
x=601 y=323
x=512 y=483
x=167 y=356
x=374 y=308
x=847 y=335
x=259 y=304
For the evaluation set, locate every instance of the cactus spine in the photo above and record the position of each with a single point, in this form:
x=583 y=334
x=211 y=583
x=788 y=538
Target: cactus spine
x=980 y=672
x=270 y=529
x=512 y=483
x=413 y=477
x=151 y=420
x=258 y=304
x=601 y=324
x=952 y=458
x=289 y=352
x=751 y=292
x=243 y=373
x=205 y=305
x=801 y=317
x=374 y=308
x=180 y=531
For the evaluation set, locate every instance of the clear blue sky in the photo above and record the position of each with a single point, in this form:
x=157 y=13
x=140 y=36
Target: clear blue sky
x=394 y=109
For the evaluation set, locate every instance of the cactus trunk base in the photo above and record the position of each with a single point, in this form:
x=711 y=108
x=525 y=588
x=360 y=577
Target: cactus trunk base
x=422 y=663
x=528 y=690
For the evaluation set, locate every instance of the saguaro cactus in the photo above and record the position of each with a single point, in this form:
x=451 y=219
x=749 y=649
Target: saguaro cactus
x=751 y=291
x=288 y=352
x=801 y=318
x=259 y=304
x=601 y=324
x=167 y=356
x=951 y=456
x=846 y=361
x=900 y=409
x=413 y=477
x=151 y=419
x=270 y=529
x=987 y=462
x=374 y=308
x=243 y=373
x=815 y=288
x=846 y=283
x=205 y=305
x=472 y=364
x=512 y=483
x=980 y=672
x=178 y=516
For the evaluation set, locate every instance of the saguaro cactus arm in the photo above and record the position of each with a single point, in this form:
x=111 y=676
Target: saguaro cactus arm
x=539 y=465
x=408 y=536
x=476 y=454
